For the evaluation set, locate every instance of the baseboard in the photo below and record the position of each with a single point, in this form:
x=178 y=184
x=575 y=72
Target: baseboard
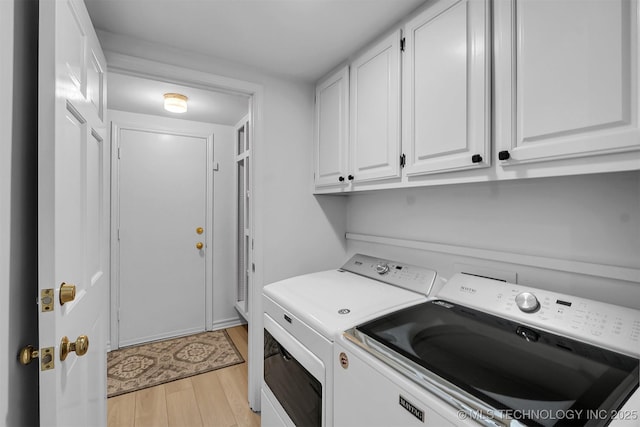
x=227 y=323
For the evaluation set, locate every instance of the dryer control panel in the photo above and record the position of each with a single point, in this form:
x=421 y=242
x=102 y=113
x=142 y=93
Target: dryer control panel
x=411 y=277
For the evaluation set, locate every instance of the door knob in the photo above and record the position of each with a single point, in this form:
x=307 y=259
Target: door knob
x=199 y=245
x=28 y=354
x=67 y=293
x=199 y=230
x=80 y=346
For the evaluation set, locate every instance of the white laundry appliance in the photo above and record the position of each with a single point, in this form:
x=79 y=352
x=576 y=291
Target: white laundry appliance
x=302 y=317
x=487 y=352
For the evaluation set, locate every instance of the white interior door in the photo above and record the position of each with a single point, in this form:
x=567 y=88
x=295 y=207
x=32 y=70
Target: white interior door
x=162 y=206
x=73 y=206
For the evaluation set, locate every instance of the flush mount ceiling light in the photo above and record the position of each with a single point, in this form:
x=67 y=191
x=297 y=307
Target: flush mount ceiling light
x=175 y=102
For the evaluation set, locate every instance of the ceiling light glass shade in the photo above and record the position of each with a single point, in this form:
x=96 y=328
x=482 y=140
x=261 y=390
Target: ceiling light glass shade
x=175 y=102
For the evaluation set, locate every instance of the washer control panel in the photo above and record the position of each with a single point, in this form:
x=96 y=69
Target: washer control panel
x=411 y=277
x=615 y=327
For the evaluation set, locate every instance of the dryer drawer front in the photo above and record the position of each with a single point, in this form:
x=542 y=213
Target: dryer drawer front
x=308 y=337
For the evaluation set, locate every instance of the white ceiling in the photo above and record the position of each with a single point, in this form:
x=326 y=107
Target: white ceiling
x=301 y=39
x=297 y=39
x=138 y=95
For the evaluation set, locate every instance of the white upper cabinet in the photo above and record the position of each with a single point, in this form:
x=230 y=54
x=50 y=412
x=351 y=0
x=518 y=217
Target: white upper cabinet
x=446 y=88
x=332 y=130
x=566 y=79
x=375 y=112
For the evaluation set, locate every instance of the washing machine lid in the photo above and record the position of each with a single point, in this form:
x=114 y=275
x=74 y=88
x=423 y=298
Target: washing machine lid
x=333 y=301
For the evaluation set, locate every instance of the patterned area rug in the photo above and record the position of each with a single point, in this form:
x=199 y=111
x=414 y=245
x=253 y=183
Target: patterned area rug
x=146 y=365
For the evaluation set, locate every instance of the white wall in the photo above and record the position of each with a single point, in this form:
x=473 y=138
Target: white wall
x=223 y=204
x=18 y=208
x=302 y=232
x=592 y=219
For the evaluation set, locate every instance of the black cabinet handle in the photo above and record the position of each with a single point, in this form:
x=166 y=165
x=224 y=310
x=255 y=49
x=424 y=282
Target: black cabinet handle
x=476 y=158
x=341 y=178
x=504 y=155
x=351 y=177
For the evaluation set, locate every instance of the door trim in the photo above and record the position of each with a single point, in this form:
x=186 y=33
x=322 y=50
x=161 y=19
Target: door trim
x=134 y=66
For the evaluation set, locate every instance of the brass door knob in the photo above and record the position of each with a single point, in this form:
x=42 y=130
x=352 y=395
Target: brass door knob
x=67 y=293
x=199 y=245
x=199 y=230
x=80 y=346
x=28 y=354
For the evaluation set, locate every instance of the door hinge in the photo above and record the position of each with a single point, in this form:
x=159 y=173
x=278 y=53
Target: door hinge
x=253 y=267
x=251 y=244
x=402 y=42
x=118 y=152
x=403 y=160
x=118 y=234
x=46 y=300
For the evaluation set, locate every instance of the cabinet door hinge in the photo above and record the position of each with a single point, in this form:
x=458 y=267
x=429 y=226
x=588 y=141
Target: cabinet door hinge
x=403 y=160
x=402 y=42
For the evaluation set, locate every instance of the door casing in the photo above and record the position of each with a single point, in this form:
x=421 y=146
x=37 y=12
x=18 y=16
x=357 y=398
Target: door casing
x=188 y=77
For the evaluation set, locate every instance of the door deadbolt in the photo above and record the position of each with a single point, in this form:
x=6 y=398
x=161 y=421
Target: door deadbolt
x=67 y=293
x=80 y=346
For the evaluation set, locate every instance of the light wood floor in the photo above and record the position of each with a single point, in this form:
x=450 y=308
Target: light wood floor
x=217 y=398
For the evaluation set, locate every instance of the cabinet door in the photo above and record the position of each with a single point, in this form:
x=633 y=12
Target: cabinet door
x=566 y=78
x=332 y=130
x=446 y=88
x=375 y=112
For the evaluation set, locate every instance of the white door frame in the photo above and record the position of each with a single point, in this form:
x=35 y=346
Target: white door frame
x=115 y=129
x=139 y=67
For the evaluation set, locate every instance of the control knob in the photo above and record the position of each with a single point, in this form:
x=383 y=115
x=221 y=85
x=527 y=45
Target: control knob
x=382 y=268
x=527 y=302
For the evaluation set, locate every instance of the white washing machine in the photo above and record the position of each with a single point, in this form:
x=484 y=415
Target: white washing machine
x=487 y=352
x=302 y=317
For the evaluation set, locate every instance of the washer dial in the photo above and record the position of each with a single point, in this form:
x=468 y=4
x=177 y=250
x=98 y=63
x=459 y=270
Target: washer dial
x=527 y=302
